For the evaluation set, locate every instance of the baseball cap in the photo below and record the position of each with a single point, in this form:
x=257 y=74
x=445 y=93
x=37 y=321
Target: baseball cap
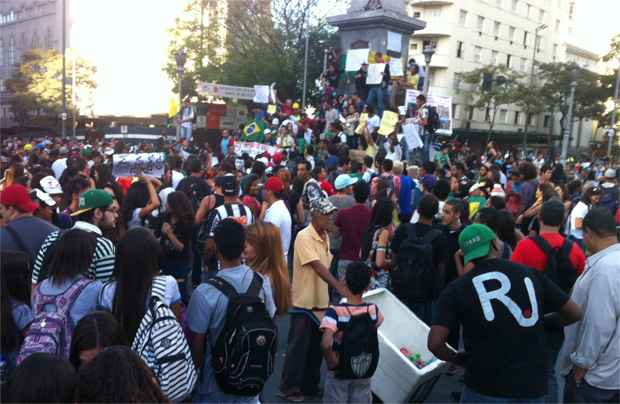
x=275 y=121
x=322 y=206
x=610 y=173
x=93 y=199
x=475 y=241
x=43 y=197
x=274 y=184
x=228 y=183
x=50 y=185
x=17 y=196
x=343 y=181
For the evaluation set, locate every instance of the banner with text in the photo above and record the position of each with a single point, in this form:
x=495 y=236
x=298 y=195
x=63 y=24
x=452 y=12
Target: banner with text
x=443 y=105
x=253 y=149
x=226 y=91
x=135 y=164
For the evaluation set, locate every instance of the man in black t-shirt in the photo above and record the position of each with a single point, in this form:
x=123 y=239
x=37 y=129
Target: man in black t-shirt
x=501 y=307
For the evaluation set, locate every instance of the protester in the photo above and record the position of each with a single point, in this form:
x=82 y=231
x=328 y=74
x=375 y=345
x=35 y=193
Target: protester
x=589 y=356
x=92 y=334
x=276 y=211
x=140 y=203
x=574 y=225
x=504 y=356
x=380 y=233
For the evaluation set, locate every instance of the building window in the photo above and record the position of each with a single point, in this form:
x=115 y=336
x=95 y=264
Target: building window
x=414 y=47
x=511 y=33
x=547 y=121
x=525 y=39
x=455 y=111
x=517 y=118
x=531 y=119
x=503 y=116
x=417 y=14
x=541 y=15
x=470 y=113
x=496 y=28
x=459 y=49
x=480 y=24
x=528 y=10
x=11 y=51
x=555 y=51
x=557 y=26
x=487 y=115
x=494 y=57
x=538 y=43
x=477 y=54
x=463 y=17
x=435 y=12
x=36 y=43
x=508 y=60
x=515 y=3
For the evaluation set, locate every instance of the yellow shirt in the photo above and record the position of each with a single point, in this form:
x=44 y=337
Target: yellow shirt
x=412 y=81
x=309 y=289
x=371 y=150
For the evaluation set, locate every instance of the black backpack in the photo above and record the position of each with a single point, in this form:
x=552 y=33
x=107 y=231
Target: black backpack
x=415 y=278
x=559 y=267
x=244 y=352
x=433 y=119
x=359 y=349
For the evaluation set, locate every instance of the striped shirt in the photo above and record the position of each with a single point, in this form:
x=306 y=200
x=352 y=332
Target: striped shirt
x=236 y=211
x=336 y=317
x=102 y=264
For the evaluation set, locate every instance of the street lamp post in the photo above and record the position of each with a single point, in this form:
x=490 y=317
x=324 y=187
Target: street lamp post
x=536 y=31
x=429 y=51
x=303 y=95
x=568 y=126
x=181 y=58
x=63 y=116
x=612 y=131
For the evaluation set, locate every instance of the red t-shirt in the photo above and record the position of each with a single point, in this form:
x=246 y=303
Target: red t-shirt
x=529 y=254
x=352 y=222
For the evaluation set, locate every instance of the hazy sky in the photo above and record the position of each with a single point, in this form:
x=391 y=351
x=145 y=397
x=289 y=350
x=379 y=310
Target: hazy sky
x=127 y=41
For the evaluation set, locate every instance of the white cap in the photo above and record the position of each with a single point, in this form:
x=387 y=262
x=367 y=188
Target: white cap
x=610 y=173
x=51 y=185
x=267 y=131
x=498 y=191
x=275 y=121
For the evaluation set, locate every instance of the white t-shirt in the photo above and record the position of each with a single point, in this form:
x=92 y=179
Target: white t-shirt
x=396 y=155
x=58 y=167
x=373 y=123
x=279 y=215
x=176 y=178
x=579 y=212
x=171 y=294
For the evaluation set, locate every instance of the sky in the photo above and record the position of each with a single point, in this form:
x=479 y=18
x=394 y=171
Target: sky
x=127 y=41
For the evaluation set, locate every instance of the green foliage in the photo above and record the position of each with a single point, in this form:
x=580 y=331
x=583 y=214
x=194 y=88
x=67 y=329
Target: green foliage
x=36 y=84
x=254 y=44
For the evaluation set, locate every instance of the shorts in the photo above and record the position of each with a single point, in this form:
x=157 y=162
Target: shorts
x=346 y=391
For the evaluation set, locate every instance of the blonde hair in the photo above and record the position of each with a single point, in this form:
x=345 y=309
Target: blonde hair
x=269 y=261
x=397 y=168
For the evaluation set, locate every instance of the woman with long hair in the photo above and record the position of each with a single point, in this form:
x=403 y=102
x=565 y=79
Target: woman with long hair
x=92 y=334
x=574 y=229
x=176 y=240
x=382 y=230
x=263 y=253
x=15 y=301
x=250 y=192
x=140 y=202
x=136 y=279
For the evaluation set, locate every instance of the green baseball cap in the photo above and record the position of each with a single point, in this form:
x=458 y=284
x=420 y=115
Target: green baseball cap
x=93 y=199
x=475 y=241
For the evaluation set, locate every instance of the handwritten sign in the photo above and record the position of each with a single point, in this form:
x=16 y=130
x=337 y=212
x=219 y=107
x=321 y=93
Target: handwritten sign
x=355 y=58
x=388 y=123
x=410 y=132
x=375 y=73
x=253 y=149
x=135 y=164
x=363 y=121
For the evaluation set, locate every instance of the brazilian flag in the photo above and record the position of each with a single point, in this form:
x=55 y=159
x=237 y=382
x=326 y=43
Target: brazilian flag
x=254 y=131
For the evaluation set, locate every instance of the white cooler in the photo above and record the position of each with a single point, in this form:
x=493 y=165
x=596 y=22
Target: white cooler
x=397 y=379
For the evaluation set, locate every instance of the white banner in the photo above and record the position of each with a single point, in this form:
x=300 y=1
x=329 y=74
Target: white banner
x=253 y=149
x=355 y=58
x=375 y=73
x=226 y=91
x=444 y=109
x=135 y=164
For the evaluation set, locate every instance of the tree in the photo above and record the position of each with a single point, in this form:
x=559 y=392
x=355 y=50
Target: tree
x=255 y=44
x=36 y=84
x=529 y=98
x=503 y=89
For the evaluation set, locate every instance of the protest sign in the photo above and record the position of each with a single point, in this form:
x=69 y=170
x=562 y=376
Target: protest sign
x=253 y=149
x=362 y=124
x=355 y=58
x=410 y=132
x=375 y=73
x=388 y=122
x=135 y=164
x=271 y=109
x=396 y=67
x=444 y=109
x=261 y=94
x=225 y=91
x=394 y=42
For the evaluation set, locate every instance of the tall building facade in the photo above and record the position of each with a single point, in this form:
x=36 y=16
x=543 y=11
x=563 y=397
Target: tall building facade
x=470 y=34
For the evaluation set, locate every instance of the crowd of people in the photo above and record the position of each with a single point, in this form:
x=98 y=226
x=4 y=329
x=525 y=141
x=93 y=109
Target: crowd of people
x=513 y=263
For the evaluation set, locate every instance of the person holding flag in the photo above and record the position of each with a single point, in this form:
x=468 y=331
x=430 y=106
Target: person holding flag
x=254 y=131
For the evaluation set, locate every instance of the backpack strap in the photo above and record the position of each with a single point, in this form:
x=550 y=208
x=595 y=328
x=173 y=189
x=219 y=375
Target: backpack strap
x=223 y=286
x=256 y=286
x=65 y=301
x=431 y=235
x=566 y=248
x=550 y=270
x=158 y=288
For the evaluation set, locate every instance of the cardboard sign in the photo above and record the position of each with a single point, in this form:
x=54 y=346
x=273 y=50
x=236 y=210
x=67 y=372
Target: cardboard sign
x=394 y=42
x=444 y=109
x=135 y=164
x=388 y=123
x=375 y=73
x=363 y=121
x=412 y=137
x=261 y=94
x=271 y=109
x=355 y=58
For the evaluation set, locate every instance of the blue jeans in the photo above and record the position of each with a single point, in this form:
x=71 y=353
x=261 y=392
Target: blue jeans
x=186 y=132
x=471 y=396
x=586 y=393
x=375 y=98
x=428 y=144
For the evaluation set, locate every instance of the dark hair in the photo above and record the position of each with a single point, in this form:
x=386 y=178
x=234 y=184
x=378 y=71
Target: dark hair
x=99 y=329
x=74 y=186
x=136 y=264
x=174 y=162
x=527 y=170
x=15 y=281
x=497 y=202
x=258 y=168
x=137 y=197
x=355 y=166
x=305 y=163
x=357 y=277
x=421 y=97
x=89 y=215
x=229 y=236
x=382 y=213
x=461 y=167
x=428 y=207
x=552 y=213
x=586 y=197
x=368 y=161
x=506 y=228
x=118 y=375
x=361 y=190
x=42 y=378
x=574 y=187
x=488 y=216
x=429 y=167
x=545 y=168
x=457 y=205
x=72 y=255
x=441 y=189
x=600 y=221
x=181 y=207
x=387 y=165
x=248 y=184
x=193 y=164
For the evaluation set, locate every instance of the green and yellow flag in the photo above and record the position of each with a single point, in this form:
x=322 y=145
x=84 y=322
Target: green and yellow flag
x=254 y=131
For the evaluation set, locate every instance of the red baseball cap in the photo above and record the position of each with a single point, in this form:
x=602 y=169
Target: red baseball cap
x=274 y=184
x=277 y=158
x=17 y=196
